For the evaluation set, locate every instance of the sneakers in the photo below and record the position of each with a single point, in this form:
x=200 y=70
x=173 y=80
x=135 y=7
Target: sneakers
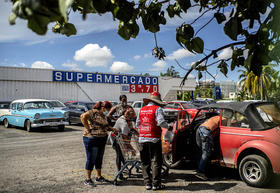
x=148 y=187
x=201 y=176
x=89 y=183
x=159 y=187
x=100 y=179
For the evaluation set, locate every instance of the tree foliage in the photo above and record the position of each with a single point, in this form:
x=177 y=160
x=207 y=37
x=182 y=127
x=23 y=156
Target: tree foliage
x=252 y=25
x=262 y=86
x=171 y=72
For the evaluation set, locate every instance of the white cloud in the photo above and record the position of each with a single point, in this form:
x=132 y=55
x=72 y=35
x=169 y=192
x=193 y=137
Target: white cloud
x=158 y=66
x=41 y=64
x=72 y=66
x=179 y=54
x=22 y=64
x=225 y=54
x=120 y=67
x=94 y=55
x=148 y=55
x=137 y=57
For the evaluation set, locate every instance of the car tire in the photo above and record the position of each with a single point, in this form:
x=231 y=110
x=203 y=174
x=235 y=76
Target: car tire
x=168 y=161
x=6 y=123
x=27 y=126
x=61 y=127
x=255 y=170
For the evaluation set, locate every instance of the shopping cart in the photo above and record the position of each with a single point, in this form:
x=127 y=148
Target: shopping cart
x=131 y=153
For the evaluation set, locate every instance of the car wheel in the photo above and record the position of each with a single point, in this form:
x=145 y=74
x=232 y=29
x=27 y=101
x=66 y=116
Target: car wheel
x=61 y=127
x=255 y=170
x=6 y=123
x=27 y=125
x=168 y=161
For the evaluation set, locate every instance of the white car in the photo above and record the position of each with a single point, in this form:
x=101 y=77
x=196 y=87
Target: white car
x=4 y=108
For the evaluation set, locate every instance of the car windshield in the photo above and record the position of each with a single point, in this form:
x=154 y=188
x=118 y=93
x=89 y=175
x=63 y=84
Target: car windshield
x=188 y=106
x=270 y=114
x=57 y=104
x=90 y=105
x=37 y=105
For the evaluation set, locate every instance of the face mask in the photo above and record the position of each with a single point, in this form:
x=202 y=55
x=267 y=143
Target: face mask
x=123 y=103
x=105 y=113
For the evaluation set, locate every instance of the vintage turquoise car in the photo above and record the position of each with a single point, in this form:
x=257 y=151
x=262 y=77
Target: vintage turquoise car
x=34 y=113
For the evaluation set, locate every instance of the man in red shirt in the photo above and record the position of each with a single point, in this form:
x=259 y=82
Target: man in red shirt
x=149 y=121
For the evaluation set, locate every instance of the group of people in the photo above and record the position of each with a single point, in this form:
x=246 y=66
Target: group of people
x=149 y=121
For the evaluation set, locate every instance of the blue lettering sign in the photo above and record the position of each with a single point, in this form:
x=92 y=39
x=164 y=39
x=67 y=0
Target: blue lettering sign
x=64 y=76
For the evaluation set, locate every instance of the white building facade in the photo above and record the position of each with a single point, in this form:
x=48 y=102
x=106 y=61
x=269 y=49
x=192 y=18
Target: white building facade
x=23 y=83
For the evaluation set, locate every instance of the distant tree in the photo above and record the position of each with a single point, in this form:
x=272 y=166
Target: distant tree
x=171 y=72
x=253 y=26
x=185 y=95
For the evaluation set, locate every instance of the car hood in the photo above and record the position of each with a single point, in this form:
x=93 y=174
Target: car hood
x=45 y=113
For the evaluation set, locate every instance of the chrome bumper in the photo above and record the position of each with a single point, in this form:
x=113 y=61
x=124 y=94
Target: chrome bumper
x=49 y=124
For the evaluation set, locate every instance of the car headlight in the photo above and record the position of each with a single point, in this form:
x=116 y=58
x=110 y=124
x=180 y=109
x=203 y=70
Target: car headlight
x=37 y=116
x=66 y=114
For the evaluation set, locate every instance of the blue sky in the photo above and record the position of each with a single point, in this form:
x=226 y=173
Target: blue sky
x=98 y=48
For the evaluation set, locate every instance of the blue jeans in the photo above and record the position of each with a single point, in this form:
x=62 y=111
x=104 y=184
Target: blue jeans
x=94 y=147
x=204 y=140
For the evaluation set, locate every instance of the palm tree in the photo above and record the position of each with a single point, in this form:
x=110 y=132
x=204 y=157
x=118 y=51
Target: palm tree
x=257 y=85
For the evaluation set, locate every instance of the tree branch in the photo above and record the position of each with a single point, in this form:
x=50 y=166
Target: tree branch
x=180 y=65
x=208 y=56
x=204 y=25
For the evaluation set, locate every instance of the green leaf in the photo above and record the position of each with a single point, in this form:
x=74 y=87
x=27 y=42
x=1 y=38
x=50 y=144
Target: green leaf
x=170 y=11
x=220 y=17
x=38 y=24
x=63 y=8
x=68 y=29
x=199 y=75
x=223 y=67
x=12 y=18
x=128 y=30
x=198 y=45
x=232 y=28
x=101 y=6
x=184 y=4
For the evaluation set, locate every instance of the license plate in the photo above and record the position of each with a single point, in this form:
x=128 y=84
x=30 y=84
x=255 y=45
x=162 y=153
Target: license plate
x=53 y=124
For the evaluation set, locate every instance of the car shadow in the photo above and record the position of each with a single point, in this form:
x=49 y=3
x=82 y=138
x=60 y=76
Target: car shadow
x=49 y=129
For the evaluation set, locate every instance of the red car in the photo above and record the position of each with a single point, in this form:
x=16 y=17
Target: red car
x=183 y=105
x=248 y=140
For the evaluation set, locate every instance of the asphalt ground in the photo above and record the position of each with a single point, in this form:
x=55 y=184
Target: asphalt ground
x=47 y=160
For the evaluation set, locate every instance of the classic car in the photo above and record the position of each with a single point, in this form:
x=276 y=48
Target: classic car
x=4 y=107
x=56 y=104
x=248 y=139
x=182 y=105
x=76 y=108
x=34 y=113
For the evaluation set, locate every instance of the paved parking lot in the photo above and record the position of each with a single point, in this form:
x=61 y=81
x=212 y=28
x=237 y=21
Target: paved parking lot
x=47 y=160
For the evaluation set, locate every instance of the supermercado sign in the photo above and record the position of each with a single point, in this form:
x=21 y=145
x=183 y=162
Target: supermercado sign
x=64 y=76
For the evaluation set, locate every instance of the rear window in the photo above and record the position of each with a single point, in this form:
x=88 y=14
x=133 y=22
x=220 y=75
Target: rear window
x=188 y=106
x=270 y=114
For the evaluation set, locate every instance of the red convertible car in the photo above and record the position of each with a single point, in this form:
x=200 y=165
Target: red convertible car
x=248 y=139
